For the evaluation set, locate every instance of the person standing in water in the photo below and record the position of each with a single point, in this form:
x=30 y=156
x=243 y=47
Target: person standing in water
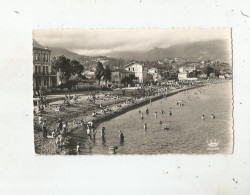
x=88 y=133
x=145 y=126
x=141 y=115
x=155 y=114
x=147 y=110
x=121 y=136
x=94 y=133
x=44 y=128
x=78 y=148
x=203 y=117
x=103 y=131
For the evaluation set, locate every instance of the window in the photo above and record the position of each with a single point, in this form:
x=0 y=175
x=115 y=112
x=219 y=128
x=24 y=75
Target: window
x=47 y=70
x=128 y=69
x=35 y=69
x=44 y=82
x=133 y=69
x=39 y=81
x=39 y=69
x=46 y=58
x=43 y=70
x=36 y=57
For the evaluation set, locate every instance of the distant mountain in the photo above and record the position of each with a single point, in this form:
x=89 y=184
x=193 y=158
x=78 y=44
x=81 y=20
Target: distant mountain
x=56 y=51
x=213 y=50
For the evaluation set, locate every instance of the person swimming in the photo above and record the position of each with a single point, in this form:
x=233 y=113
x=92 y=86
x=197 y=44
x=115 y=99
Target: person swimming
x=212 y=116
x=162 y=111
x=170 y=113
x=145 y=126
x=139 y=111
x=160 y=122
x=166 y=128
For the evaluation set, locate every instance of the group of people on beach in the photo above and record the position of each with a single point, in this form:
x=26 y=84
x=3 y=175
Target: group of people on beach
x=42 y=103
x=60 y=133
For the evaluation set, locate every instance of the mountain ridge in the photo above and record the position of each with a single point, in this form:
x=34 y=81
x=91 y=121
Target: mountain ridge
x=212 y=50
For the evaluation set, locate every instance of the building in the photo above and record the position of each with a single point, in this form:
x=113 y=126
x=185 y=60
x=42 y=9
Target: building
x=182 y=75
x=44 y=76
x=187 y=69
x=118 y=74
x=222 y=77
x=152 y=71
x=203 y=76
x=89 y=74
x=139 y=70
x=155 y=74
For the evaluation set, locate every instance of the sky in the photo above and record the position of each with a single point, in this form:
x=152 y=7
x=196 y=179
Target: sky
x=103 y=41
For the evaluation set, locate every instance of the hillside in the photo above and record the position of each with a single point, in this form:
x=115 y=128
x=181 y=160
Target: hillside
x=213 y=50
x=56 y=51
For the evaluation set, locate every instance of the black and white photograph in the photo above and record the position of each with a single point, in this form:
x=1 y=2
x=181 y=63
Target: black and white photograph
x=132 y=91
x=125 y=97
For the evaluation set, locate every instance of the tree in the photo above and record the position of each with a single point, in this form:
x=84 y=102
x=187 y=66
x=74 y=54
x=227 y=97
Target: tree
x=107 y=74
x=99 y=72
x=125 y=80
x=66 y=67
x=67 y=70
x=76 y=67
x=63 y=66
x=129 y=80
x=208 y=70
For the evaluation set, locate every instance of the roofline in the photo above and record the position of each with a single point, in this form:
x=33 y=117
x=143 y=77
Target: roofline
x=132 y=63
x=41 y=49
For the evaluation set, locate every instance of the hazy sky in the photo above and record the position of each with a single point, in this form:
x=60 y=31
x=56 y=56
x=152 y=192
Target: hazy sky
x=103 y=41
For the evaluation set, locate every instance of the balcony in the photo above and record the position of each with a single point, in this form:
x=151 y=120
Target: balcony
x=44 y=74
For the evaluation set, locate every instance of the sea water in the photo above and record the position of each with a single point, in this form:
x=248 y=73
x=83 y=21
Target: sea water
x=187 y=131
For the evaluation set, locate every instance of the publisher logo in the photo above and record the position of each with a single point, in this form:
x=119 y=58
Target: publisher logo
x=213 y=144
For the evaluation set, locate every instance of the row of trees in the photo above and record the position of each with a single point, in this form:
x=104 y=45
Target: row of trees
x=102 y=73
